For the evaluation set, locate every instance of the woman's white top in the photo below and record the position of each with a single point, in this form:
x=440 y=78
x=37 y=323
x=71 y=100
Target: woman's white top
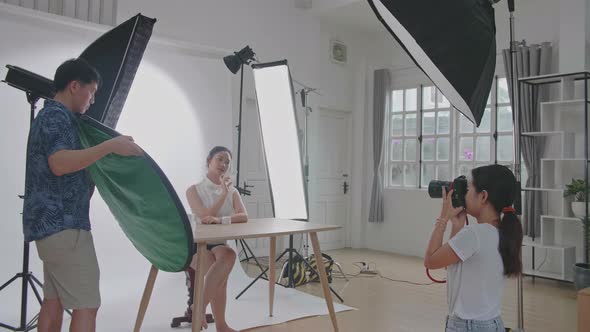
x=209 y=193
x=476 y=283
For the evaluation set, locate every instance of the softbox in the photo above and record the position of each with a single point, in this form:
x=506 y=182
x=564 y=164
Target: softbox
x=116 y=56
x=453 y=42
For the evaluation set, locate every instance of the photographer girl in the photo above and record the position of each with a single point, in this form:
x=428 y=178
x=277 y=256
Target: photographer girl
x=478 y=257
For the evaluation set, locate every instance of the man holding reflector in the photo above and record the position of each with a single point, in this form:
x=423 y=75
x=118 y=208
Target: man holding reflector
x=57 y=199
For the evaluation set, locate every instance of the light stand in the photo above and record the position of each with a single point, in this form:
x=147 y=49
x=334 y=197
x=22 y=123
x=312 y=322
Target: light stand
x=303 y=94
x=282 y=148
x=234 y=63
x=516 y=142
x=35 y=87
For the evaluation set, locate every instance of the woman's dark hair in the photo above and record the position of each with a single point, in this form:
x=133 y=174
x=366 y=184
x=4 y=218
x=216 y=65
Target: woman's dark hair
x=75 y=70
x=215 y=151
x=500 y=184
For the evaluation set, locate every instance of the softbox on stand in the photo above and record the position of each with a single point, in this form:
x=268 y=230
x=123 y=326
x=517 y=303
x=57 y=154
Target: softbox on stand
x=116 y=56
x=452 y=42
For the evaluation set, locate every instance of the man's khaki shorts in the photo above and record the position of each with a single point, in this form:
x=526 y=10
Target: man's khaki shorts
x=70 y=269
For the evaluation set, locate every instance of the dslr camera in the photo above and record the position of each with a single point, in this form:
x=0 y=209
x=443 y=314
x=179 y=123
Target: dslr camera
x=459 y=187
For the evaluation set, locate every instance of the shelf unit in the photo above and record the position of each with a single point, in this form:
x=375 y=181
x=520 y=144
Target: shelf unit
x=564 y=129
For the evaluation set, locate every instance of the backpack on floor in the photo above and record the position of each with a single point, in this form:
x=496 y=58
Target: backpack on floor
x=328 y=264
x=299 y=271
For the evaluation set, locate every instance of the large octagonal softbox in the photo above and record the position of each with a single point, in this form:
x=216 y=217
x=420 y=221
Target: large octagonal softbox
x=116 y=56
x=453 y=42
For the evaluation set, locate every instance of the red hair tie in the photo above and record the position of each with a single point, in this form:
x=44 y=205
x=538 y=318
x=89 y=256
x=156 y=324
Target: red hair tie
x=508 y=209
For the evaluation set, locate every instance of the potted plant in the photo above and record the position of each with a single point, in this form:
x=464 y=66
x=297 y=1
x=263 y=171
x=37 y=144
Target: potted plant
x=577 y=188
x=582 y=270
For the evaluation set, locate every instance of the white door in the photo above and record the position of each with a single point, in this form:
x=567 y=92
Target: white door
x=330 y=160
x=253 y=172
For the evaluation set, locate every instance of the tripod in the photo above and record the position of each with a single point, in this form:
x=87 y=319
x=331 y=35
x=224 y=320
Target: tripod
x=28 y=279
x=291 y=283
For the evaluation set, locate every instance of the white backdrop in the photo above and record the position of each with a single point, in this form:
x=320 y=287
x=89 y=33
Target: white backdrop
x=178 y=108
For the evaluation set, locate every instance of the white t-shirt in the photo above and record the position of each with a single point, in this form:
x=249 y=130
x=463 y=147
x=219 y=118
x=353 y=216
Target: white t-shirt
x=476 y=283
x=209 y=192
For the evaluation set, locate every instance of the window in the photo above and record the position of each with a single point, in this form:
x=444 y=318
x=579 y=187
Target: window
x=436 y=135
x=476 y=146
x=403 y=141
x=429 y=139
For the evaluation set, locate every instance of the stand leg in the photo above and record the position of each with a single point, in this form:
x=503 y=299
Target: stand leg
x=37 y=295
x=240 y=243
x=145 y=299
x=324 y=279
x=258 y=277
x=36 y=280
x=27 y=280
x=9 y=282
x=198 y=295
x=341 y=271
x=290 y=282
x=271 y=281
x=245 y=246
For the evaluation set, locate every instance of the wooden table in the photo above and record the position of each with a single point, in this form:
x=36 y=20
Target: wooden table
x=254 y=228
x=257 y=228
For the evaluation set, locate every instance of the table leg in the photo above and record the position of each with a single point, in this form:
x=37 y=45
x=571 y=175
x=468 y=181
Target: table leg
x=323 y=278
x=198 y=287
x=145 y=299
x=272 y=272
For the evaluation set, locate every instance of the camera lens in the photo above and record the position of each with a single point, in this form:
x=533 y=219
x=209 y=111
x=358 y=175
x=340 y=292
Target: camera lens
x=435 y=188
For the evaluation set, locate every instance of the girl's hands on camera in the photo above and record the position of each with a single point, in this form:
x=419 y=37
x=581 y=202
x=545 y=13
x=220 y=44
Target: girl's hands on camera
x=457 y=215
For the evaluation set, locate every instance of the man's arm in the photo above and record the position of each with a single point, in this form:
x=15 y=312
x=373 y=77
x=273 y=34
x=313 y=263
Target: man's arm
x=69 y=161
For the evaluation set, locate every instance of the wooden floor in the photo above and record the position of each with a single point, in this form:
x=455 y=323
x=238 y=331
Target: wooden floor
x=384 y=305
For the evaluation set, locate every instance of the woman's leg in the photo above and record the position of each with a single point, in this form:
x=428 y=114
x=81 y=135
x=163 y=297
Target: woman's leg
x=227 y=257
x=209 y=260
x=223 y=262
x=218 y=307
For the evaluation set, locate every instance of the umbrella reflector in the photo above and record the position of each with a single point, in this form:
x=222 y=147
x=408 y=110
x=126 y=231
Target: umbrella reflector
x=142 y=200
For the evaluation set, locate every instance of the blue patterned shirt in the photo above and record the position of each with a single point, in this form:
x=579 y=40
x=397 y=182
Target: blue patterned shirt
x=53 y=203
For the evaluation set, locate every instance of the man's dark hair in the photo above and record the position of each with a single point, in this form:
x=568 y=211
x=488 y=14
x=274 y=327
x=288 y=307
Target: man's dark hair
x=75 y=70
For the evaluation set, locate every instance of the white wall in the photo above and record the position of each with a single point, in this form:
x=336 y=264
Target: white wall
x=177 y=109
x=340 y=96
x=274 y=29
x=573 y=35
x=343 y=88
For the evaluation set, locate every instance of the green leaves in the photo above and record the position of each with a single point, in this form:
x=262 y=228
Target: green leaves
x=577 y=188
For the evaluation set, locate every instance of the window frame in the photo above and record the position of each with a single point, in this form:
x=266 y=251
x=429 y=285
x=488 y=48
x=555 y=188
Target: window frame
x=454 y=135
